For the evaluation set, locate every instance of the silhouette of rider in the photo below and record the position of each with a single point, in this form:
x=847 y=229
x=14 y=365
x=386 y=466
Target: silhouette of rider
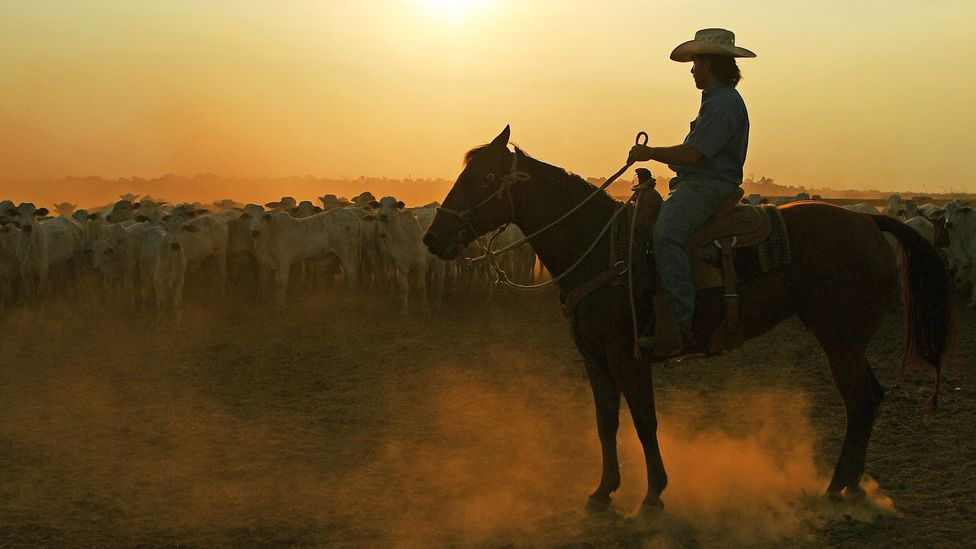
x=708 y=166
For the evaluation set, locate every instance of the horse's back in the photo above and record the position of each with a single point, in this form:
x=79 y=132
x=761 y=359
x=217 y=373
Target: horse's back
x=840 y=262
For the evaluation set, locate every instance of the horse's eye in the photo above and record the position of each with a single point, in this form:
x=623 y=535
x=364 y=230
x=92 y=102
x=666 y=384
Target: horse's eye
x=490 y=177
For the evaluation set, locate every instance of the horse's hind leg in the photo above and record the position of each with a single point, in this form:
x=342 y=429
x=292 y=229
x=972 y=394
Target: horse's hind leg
x=862 y=395
x=606 y=397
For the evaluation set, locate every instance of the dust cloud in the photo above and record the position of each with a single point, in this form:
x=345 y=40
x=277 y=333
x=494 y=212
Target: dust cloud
x=239 y=430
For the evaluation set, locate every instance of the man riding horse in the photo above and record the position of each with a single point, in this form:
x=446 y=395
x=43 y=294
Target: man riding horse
x=840 y=278
x=709 y=167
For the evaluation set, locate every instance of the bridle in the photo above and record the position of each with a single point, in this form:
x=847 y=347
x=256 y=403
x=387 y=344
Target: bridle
x=504 y=190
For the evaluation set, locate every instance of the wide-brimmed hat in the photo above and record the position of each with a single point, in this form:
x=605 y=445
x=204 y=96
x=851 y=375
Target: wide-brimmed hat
x=709 y=42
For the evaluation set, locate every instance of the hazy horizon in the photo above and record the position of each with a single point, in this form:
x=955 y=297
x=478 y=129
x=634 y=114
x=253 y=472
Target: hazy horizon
x=841 y=95
x=91 y=192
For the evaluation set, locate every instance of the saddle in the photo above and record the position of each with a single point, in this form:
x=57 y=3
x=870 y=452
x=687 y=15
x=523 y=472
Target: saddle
x=738 y=242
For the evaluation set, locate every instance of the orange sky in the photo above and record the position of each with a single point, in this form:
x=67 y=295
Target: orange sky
x=845 y=94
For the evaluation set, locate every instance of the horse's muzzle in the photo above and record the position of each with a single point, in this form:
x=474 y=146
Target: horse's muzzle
x=445 y=249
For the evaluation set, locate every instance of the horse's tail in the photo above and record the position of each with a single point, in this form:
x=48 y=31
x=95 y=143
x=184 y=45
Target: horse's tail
x=925 y=292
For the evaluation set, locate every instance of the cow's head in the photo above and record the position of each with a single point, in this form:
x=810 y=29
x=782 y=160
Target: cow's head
x=123 y=210
x=27 y=216
x=388 y=207
x=252 y=215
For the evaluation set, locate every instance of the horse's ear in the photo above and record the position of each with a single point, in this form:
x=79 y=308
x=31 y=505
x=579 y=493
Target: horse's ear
x=502 y=139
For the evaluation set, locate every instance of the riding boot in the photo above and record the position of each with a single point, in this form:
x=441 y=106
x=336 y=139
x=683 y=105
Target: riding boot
x=665 y=336
x=668 y=347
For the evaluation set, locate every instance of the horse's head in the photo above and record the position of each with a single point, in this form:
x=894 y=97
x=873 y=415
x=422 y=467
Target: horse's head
x=479 y=201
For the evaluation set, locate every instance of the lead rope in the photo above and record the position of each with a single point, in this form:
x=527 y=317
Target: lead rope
x=501 y=277
x=638 y=193
x=645 y=181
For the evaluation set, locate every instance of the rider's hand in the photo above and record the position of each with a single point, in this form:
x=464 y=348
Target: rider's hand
x=639 y=153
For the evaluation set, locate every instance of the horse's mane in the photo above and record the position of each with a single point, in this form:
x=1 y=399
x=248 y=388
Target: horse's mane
x=583 y=184
x=474 y=150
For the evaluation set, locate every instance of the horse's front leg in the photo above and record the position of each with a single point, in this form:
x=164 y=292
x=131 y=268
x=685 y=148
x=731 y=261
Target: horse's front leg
x=637 y=383
x=606 y=397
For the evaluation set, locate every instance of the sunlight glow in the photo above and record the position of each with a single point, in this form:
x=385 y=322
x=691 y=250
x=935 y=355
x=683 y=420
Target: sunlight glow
x=453 y=10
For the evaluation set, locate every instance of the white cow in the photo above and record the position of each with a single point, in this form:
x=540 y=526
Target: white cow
x=930 y=210
x=65 y=209
x=206 y=241
x=32 y=253
x=128 y=211
x=365 y=200
x=331 y=202
x=519 y=263
x=116 y=258
x=8 y=212
x=54 y=245
x=923 y=227
x=862 y=207
x=894 y=206
x=163 y=264
x=909 y=209
x=402 y=246
x=305 y=209
x=962 y=238
x=227 y=204
x=240 y=244
x=282 y=241
x=755 y=200
x=952 y=207
x=437 y=268
x=286 y=203
x=9 y=264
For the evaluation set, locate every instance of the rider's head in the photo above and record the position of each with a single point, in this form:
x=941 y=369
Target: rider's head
x=709 y=70
x=713 y=53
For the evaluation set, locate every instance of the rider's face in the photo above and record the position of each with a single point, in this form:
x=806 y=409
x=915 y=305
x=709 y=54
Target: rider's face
x=700 y=67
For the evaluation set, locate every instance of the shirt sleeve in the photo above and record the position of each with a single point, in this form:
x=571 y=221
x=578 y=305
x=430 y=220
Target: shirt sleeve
x=717 y=122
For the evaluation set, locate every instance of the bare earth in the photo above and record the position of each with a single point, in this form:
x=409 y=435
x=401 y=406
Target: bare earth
x=342 y=423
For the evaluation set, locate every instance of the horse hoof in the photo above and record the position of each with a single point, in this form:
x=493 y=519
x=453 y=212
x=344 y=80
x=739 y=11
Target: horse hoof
x=855 y=494
x=596 y=506
x=649 y=512
x=833 y=497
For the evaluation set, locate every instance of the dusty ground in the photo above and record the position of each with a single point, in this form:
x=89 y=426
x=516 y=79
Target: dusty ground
x=341 y=423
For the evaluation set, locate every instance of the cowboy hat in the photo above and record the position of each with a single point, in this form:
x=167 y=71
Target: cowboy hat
x=709 y=42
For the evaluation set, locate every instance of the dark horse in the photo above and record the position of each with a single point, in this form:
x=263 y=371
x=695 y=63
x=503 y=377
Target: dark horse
x=841 y=282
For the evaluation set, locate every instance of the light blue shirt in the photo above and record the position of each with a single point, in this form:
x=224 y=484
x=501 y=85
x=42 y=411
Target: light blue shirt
x=720 y=134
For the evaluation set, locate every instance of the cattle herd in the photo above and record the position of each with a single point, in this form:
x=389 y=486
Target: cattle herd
x=137 y=254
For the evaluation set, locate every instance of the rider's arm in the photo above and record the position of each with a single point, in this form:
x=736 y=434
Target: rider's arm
x=680 y=155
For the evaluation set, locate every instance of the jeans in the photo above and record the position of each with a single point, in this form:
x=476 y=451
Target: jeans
x=692 y=201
